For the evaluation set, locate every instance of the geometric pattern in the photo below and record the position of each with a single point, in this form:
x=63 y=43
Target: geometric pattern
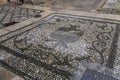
x=10 y=15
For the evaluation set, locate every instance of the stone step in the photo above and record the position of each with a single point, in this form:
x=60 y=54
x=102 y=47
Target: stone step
x=17 y=78
x=5 y=74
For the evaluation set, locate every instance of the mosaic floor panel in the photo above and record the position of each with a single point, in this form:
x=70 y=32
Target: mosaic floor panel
x=62 y=47
x=10 y=15
x=111 y=7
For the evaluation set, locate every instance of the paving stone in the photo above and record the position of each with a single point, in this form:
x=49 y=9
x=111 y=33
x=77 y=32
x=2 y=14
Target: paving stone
x=94 y=75
x=5 y=74
x=17 y=78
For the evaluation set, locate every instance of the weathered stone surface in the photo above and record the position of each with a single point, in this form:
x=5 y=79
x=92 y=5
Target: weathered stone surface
x=17 y=78
x=10 y=15
x=110 y=7
x=81 y=5
x=5 y=74
x=60 y=46
x=114 y=4
x=94 y=75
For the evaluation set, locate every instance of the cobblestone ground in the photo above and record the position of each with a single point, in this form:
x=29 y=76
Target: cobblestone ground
x=64 y=47
x=10 y=15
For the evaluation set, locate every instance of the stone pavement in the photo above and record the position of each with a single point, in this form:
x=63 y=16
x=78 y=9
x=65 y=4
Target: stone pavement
x=10 y=15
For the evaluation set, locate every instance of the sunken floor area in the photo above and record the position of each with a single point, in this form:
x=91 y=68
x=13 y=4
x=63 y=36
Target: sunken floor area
x=39 y=43
x=10 y=15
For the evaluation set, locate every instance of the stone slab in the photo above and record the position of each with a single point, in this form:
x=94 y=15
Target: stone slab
x=5 y=74
x=17 y=78
x=94 y=75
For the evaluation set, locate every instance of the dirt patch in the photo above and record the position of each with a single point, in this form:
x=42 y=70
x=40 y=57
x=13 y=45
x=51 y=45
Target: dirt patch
x=84 y=5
